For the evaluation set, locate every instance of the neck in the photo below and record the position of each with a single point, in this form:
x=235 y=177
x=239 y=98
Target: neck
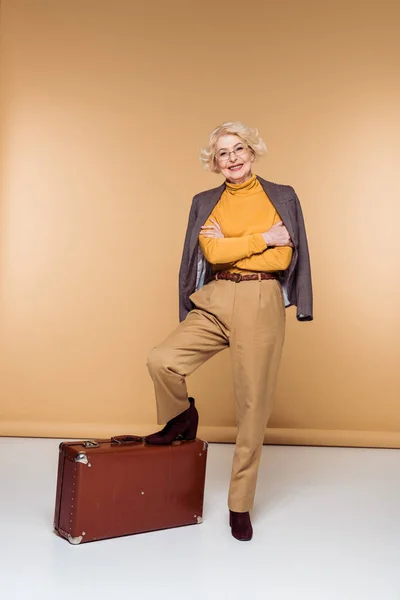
x=242 y=179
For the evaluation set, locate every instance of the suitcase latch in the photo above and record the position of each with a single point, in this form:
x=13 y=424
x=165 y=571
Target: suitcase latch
x=91 y=444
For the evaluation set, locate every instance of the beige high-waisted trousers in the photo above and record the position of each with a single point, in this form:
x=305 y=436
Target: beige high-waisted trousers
x=249 y=317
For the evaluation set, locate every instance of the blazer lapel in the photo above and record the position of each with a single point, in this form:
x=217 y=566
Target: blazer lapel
x=275 y=195
x=206 y=205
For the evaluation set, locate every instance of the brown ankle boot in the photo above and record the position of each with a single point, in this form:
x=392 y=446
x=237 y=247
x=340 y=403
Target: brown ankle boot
x=241 y=525
x=181 y=428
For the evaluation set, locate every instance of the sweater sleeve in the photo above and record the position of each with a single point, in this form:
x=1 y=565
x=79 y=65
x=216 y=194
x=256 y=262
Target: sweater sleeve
x=277 y=258
x=227 y=250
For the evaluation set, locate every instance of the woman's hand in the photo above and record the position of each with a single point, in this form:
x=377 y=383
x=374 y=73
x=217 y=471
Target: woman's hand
x=278 y=235
x=212 y=231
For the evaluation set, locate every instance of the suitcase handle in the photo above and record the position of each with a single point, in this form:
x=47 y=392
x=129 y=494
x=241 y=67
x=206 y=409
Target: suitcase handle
x=126 y=439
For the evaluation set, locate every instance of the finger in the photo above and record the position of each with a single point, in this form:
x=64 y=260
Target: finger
x=215 y=223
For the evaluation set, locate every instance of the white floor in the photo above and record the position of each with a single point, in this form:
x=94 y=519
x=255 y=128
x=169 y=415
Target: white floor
x=326 y=527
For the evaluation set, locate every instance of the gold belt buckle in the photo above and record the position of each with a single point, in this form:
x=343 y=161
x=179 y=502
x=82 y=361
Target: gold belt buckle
x=239 y=277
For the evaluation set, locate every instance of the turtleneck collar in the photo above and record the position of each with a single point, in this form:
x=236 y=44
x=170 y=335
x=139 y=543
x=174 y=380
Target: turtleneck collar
x=246 y=186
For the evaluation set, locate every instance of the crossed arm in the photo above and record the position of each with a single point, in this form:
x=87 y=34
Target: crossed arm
x=269 y=251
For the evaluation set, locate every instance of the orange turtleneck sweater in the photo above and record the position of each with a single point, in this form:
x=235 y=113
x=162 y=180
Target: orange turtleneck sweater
x=244 y=212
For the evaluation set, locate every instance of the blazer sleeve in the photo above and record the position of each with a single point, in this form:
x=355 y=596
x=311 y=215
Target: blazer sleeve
x=303 y=279
x=184 y=275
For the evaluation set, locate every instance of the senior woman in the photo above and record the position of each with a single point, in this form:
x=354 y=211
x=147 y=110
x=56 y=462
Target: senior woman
x=244 y=259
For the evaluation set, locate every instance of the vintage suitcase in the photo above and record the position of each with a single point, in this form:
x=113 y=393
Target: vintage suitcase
x=120 y=486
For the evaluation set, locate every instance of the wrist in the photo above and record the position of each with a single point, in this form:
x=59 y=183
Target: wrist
x=266 y=238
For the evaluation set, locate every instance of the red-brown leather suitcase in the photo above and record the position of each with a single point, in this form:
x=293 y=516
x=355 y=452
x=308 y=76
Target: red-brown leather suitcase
x=120 y=486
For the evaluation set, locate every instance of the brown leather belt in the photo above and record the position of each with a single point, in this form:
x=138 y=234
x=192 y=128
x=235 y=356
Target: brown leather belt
x=238 y=277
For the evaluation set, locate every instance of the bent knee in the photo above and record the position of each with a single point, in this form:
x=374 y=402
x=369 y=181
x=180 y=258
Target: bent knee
x=158 y=360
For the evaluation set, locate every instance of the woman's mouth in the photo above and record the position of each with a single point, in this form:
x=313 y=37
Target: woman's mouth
x=235 y=167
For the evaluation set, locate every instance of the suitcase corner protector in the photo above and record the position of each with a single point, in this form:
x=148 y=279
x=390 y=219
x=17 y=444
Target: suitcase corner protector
x=74 y=540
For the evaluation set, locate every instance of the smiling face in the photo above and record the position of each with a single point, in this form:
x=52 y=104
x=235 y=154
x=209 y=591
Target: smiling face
x=233 y=158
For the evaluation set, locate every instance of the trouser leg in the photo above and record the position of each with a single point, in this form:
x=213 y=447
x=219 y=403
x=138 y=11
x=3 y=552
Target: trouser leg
x=256 y=345
x=199 y=337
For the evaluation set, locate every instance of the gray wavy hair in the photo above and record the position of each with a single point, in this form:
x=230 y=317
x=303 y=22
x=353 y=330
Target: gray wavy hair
x=250 y=136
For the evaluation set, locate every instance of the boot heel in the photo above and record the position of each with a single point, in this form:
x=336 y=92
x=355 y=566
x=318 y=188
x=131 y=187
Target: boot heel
x=191 y=431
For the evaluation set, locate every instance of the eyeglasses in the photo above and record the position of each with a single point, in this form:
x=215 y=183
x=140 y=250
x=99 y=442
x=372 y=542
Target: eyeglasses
x=224 y=155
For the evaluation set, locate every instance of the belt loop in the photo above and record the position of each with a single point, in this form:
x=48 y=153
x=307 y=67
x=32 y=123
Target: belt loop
x=259 y=276
x=216 y=277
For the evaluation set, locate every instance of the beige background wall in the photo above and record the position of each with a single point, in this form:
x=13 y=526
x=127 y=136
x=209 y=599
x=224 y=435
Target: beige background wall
x=104 y=107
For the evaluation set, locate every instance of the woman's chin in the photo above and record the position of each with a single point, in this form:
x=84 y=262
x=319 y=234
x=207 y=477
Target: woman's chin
x=238 y=176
